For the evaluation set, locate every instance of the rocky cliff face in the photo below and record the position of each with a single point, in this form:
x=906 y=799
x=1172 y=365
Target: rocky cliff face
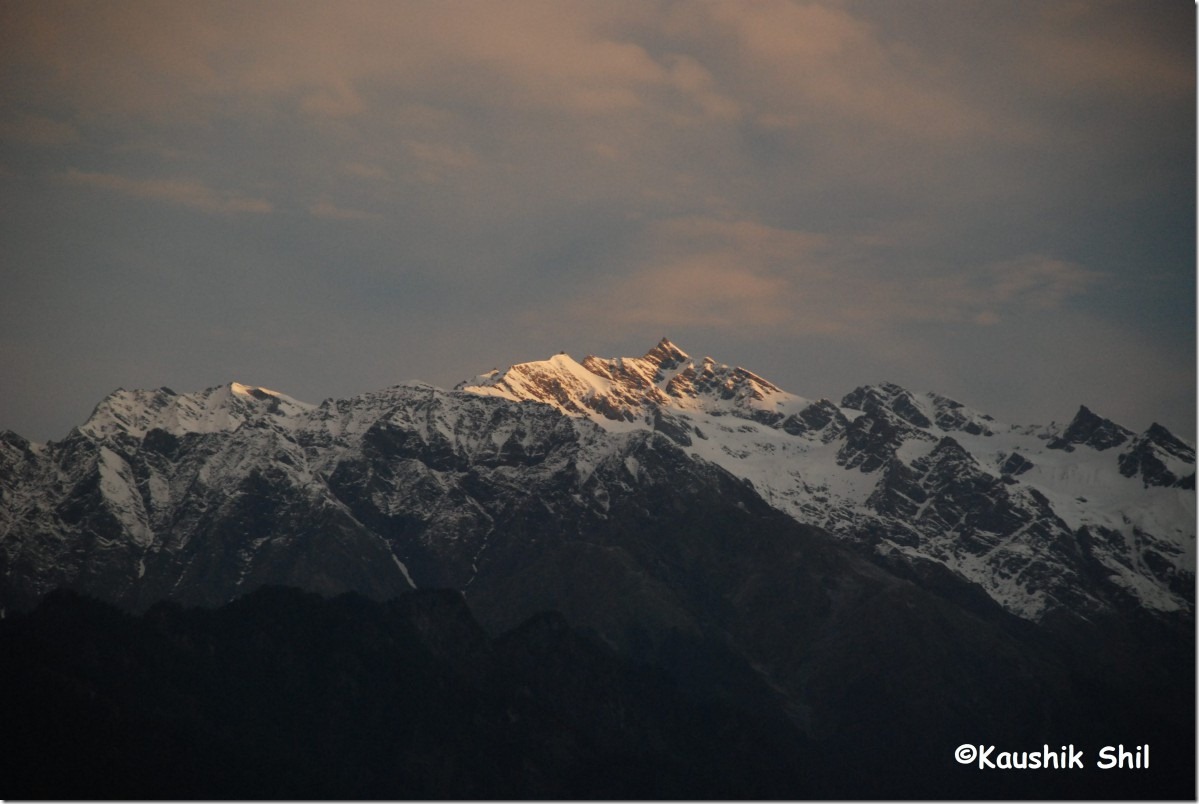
x=860 y=572
x=1048 y=521
x=200 y=497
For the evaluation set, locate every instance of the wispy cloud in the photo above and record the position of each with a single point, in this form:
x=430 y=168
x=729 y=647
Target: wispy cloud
x=183 y=192
x=741 y=276
x=326 y=209
x=35 y=129
x=366 y=171
x=436 y=160
x=1030 y=282
x=862 y=176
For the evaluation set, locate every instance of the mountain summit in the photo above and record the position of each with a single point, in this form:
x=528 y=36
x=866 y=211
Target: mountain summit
x=878 y=577
x=628 y=389
x=1043 y=522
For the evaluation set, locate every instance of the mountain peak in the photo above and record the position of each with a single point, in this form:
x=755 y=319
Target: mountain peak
x=666 y=355
x=627 y=389
x=925 y=476
x=1092 y=430
x=890 y=397
x=223 y=407
x=254 y=392
x=1171 y=443
x=1160 y=458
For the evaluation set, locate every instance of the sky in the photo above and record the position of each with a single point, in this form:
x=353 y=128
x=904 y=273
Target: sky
x=990 y=199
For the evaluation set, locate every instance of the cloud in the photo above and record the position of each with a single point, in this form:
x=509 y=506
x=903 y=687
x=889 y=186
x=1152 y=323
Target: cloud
x=1032 y=281
x=743 y=276
x=692 y=292
x=156 y=58
x=183 y=192
x=783 y=63
x=741 y=96
x=326 y=209
x=436 y=160
x=35 y=129
x=839 y=173
x=804 y=65
x=337 y=100
x=1093 y=48
x=367 y=171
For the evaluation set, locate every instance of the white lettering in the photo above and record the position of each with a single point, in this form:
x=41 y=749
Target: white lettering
x=1066 y=758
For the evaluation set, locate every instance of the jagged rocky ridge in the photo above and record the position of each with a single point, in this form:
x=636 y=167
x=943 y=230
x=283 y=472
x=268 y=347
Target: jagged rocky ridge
x=896 y=569
x=1048 y=521
x=199 y=497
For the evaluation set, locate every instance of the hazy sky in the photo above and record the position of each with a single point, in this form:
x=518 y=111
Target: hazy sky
x=994 y=200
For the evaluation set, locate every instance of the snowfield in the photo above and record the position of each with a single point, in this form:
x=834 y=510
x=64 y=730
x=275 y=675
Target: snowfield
x=1080 y=517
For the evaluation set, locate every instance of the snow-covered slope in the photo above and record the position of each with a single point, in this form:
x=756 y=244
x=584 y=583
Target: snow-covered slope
x=627 y=389
x=223 y=408
x=1041 y=518
x=201 y=496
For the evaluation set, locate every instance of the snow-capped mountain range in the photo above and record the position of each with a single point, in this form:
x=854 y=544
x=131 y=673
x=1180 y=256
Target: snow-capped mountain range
x=1039 y=517
x=860 y=586
x=203 y=496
